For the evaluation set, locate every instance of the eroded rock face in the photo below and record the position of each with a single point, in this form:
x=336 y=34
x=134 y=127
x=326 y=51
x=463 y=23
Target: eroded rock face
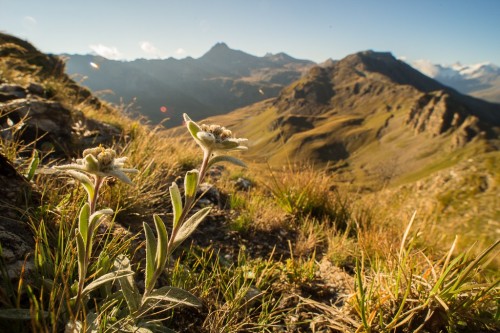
x=28 y=115
x=435 y=114
x=42 y=115
x=16 y=238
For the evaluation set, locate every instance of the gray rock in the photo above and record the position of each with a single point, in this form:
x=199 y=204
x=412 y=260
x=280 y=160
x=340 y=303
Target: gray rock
x=15 y=235
x=210 y=195
x=47 y=116
x=36 y=89
x=11 y=91
x=243 y=184
x=50 y=122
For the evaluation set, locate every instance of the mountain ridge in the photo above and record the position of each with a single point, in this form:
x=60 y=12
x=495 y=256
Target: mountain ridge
x=366 y=102
x=220 y=81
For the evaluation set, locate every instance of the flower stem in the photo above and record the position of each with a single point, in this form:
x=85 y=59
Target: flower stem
x=204 y=165
x=97 y=185
x=98 y=181
x=190 y=201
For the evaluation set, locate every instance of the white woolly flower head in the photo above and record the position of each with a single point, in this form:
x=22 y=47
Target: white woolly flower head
x=214 y=138
x=101 y=162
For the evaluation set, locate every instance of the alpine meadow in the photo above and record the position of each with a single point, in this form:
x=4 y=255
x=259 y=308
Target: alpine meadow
x=271 y=194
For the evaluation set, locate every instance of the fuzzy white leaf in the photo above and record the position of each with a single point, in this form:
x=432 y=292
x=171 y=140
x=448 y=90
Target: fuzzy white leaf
x=190 y=225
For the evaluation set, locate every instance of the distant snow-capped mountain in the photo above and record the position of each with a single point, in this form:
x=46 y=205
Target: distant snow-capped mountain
x=480 y=80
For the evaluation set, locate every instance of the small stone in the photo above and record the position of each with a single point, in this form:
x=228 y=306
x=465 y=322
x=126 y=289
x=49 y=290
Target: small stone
x=210 y=195
x=243 y=184
x=36 y=89
x=13 y=90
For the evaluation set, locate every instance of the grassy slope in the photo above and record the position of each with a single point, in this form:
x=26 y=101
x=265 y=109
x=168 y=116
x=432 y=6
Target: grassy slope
x=284 y=239
x=457 y=185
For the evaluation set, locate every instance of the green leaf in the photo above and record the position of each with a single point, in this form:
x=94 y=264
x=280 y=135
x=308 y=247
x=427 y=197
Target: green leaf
x=191 y=183
x=190 y=225
x=93 y=322
x=193 y=128
x=19 y=314
x=86 y=182
x=94 y=221
x=229 y=144
x=175 y=197
x=80 y=247
x=127 y=283
x=150 y=255
x=230 y=159
x=83 y=222
x=186 y=117
x=137 y=329
x=161 y=248
x=95 y=218
x=105 y=279
x=174 y=295
x=154 y=327
x=35 y=160
x=91 y=162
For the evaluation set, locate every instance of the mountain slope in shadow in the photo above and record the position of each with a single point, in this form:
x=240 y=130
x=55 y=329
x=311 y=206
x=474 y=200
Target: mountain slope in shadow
x=220 y=81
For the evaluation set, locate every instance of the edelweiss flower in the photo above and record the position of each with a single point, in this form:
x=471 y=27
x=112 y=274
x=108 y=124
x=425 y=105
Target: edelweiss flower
x=101 y=162
x=214 y=138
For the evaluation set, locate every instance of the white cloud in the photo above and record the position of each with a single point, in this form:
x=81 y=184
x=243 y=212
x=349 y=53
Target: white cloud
x=29 y=22
x=149 y=48
x=180 y=51
x=426 y=67
x=108 y=52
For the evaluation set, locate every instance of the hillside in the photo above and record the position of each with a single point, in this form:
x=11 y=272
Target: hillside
x=110 y=225
x=220 y=81
x=369 y=115
x=225 y=79
x=384 y=128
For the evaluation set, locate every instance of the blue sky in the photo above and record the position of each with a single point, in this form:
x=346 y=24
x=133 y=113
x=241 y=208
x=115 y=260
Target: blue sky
x=442 y=32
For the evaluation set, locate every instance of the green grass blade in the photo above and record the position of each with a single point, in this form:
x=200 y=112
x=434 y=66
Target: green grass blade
x=473 y=265
x=35 y=160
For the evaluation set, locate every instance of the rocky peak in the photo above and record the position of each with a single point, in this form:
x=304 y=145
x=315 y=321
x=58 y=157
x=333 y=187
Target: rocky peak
x=220 y=46
x=328 y=63
x=222 y=51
